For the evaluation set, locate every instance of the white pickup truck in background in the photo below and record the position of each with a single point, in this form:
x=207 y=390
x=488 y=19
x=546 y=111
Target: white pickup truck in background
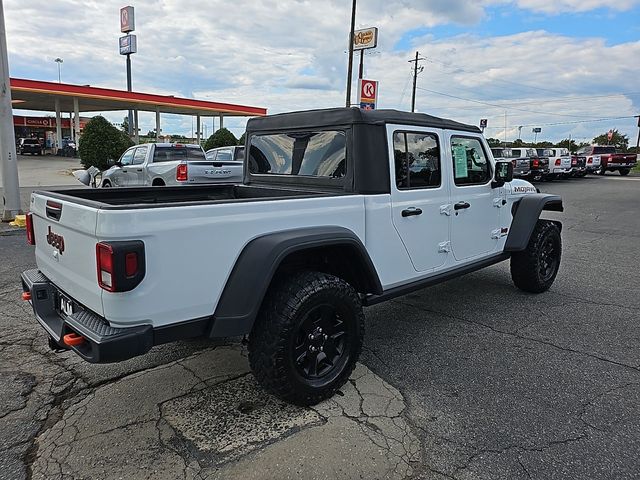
x=161 y=164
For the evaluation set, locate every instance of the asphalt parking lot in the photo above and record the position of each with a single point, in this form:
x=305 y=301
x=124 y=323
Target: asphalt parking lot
x=471 y=379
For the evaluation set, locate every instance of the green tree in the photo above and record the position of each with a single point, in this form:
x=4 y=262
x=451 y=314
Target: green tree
x=242 y=139
x=619 y=140
x=101 y=142
x=221 y=138
x=570 y=144
x=494 y=142
x=124 y=126
x=518 y=143
x=544 y=144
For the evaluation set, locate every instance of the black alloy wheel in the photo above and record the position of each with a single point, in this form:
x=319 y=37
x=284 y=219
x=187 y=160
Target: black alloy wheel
x=321 y=342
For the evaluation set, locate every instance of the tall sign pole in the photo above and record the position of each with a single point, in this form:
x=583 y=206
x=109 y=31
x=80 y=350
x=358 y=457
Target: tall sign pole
x=128 y=45
x=8 y=158
x=638 y=141
x=350 y=66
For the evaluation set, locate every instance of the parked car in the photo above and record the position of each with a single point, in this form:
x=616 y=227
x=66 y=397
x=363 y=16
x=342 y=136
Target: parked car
x=578 y=166
x=160 y=164
x=328 y=219
x=559 y=161
x=229 y=161
x=521 y=165
x=608 y=159
x=538 y=165
x=32 y=146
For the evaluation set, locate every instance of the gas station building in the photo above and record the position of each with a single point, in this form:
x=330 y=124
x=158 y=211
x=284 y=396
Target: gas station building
x=69 y=101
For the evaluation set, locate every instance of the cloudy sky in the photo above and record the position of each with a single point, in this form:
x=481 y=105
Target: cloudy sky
x=571 y=67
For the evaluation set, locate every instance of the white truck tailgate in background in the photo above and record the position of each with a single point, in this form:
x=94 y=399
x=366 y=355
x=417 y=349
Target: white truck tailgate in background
x=73 y=268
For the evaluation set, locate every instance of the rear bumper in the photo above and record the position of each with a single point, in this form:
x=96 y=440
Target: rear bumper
x=616 y=166
x=102 y=342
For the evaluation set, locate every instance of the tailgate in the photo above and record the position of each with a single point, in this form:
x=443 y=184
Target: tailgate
x=66 y=247
x=209 y=172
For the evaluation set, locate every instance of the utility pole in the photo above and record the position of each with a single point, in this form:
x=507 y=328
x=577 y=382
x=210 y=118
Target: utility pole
x=350 y=66
x=505 y=128
x=638 y=141
x=8 y=158
x=416 y=70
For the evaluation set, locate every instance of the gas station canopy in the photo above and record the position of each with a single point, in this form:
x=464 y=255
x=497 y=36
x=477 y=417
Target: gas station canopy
x=39 y=95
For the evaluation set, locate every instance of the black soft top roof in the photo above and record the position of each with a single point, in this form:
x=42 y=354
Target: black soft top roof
x=346 y=116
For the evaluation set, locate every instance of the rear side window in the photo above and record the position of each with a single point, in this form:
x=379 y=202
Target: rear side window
x=140 y=155
x=417 y=160
x=172 y=154
x=470 y=164
x=224 y=155
x=311 y=153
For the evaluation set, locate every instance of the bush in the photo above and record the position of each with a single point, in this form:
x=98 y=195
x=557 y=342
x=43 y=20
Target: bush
x=221 y=138
x=101 y=142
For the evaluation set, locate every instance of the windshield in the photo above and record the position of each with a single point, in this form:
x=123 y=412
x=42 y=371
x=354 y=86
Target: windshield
x=171 y=154
x=317 y=154
x=32 y=141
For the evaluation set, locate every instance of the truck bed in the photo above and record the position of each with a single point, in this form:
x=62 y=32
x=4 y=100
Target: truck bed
x=150 y=197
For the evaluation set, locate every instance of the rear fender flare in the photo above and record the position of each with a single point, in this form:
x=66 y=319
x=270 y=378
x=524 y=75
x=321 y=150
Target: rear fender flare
x=258 y=262
x=526 y=213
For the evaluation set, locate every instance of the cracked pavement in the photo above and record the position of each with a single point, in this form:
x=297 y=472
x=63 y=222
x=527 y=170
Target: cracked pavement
x=470 y=379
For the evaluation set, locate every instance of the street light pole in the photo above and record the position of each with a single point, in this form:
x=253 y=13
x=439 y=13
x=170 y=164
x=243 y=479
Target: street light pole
x=59 y=61
x=8 y=158
x=349 y=68
x=128 y=90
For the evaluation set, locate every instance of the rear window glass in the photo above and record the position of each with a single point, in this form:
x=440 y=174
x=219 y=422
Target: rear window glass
x=171 y=154
x=239 y=154
x=31 y=141
x=312 y=153
x=597 y=150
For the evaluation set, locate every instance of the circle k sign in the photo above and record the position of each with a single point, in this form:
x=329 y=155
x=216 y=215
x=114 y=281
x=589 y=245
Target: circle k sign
x=368 y=90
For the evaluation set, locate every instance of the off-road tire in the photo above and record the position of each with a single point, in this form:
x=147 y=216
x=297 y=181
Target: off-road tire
x=289 y=305
x=106 y=184
x=601 y=170
x=530 y=269
x=624 y=171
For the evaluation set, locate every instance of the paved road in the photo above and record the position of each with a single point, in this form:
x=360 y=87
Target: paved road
x=471 y=379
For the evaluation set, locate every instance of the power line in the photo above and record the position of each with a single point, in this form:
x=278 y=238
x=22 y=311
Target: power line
x=500 y=105
x=432 y=60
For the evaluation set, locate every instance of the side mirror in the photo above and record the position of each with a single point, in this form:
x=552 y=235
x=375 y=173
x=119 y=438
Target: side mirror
x=111 y=162
x=504 y=174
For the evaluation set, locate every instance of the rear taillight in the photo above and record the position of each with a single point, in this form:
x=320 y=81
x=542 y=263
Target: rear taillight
x=31 y=237
x=104 y=259
x=536 y=163
x=589 y=160
x=120 y=265
x=558 y=161
x=181 y=172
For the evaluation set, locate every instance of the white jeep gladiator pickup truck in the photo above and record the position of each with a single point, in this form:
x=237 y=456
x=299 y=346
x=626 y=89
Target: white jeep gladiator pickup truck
x=339 y=209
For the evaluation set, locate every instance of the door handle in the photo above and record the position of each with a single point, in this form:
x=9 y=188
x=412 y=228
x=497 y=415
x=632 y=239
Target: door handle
x=461 y=205
x=411 y=211
x=124 y=171
x=138 y=169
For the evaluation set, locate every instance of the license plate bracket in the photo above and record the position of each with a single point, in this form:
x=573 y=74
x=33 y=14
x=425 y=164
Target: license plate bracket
x=64 y=305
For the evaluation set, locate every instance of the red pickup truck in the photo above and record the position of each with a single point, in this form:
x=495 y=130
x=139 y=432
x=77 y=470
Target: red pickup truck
x=609 y=159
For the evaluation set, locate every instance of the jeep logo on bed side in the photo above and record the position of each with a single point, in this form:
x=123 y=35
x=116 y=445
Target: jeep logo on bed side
x=55 y=240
